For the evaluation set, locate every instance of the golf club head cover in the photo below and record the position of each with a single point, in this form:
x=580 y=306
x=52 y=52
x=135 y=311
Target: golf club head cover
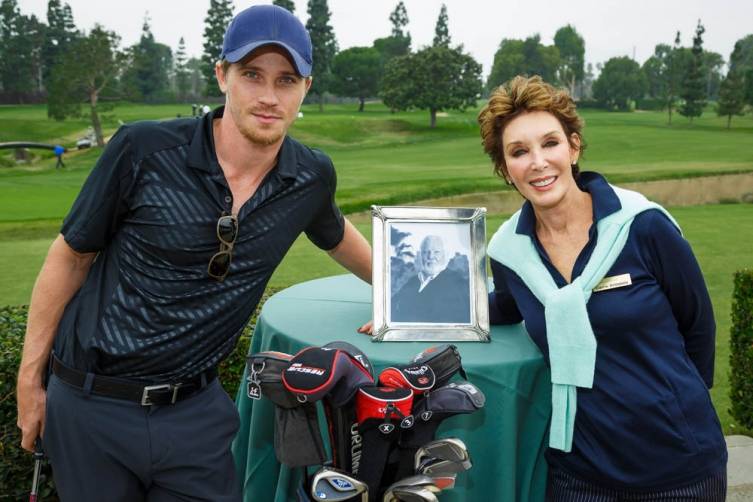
x=297 y=440
x=382 y=413
x=315 y=372
x=354 y=352
x=429 y=411
x=444 y=360
x=434 y=407
x=418 y=377
x=265 y=372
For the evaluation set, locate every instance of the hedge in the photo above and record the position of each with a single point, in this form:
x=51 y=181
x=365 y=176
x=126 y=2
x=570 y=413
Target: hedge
x=16 y=465
x=741 y=350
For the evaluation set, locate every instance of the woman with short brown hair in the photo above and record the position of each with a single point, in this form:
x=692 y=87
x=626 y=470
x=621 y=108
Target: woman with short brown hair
x=612 y=295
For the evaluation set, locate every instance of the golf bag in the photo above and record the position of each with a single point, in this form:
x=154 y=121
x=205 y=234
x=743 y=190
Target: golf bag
x=381 y=431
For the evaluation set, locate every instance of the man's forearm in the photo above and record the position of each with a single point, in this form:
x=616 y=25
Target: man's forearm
x=354 y=252
x=61 y=276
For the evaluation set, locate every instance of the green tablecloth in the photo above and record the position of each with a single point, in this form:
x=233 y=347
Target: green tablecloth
x=506 y=439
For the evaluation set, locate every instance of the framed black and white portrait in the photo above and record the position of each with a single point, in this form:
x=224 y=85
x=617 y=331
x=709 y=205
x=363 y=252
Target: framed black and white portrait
x=429 y=279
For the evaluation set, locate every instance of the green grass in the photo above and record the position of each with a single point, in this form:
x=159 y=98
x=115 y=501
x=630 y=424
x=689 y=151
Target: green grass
x=395 y=158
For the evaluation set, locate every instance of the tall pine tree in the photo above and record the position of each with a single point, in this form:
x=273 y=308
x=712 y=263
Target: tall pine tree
x=399 y=20
x=20 y=38
x=398 y=43
x=441 y=30
x=324 y=47
x=285 y=4
x=219 y=15
x=732 y=90
x=182 y=83
x=147 y=76
x=693 y=83
x=34 y=32
x=58 y=36
x=675 y=64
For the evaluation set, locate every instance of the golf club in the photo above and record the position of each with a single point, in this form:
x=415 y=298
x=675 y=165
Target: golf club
x=445 y=482
x=438 y=467
x=451 y=449
x=411 y=482
x=38 y=459
x=335 y=485
x=413 y=494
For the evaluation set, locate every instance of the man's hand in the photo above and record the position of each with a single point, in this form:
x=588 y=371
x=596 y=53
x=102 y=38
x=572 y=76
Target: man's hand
x=367 y=329
x=31 y=401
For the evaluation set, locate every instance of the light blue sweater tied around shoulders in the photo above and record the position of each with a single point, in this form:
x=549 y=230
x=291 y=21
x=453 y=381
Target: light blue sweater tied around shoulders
x=571 y=341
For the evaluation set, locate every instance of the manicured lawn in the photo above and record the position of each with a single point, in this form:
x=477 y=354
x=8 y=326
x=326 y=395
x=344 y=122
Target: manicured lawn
x=390 y=158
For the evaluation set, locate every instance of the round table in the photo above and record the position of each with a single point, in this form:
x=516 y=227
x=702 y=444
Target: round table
x=506 y=439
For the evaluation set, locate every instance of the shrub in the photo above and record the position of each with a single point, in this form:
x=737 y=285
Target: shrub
x=16 y=465
x=231 y=369
x=741 y=349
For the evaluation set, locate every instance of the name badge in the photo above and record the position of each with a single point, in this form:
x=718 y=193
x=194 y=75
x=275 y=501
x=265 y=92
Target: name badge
x=616 y=281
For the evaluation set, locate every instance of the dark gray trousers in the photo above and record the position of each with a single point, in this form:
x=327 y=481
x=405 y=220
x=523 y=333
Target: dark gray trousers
x=564 y=487
x=116 y=450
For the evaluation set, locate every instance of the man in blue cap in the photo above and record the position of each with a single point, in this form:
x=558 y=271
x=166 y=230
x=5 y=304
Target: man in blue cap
x=187 y=220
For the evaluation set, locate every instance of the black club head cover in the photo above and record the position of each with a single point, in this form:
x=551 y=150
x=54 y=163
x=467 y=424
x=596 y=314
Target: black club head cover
x=354 y=352
x=316 y=372
x=297 y=440
x=265 y=373
x=444 y=360
x=383 y=413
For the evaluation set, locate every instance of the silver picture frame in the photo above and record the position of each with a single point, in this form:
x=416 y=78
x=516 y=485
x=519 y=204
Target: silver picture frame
x=429 y=274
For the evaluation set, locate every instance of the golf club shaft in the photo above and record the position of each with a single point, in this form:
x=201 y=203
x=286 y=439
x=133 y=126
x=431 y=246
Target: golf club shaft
x=38 y=458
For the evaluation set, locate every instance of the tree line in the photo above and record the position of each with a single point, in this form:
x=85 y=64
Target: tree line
x=78 y=72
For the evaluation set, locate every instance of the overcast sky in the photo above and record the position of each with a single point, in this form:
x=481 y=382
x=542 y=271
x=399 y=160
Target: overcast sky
x=610 y=27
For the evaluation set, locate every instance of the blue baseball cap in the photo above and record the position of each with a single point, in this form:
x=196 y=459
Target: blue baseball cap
x=268 y=25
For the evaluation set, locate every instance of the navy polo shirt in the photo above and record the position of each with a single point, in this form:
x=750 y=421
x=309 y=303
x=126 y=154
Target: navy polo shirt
x=648 y=421
x=148 y=310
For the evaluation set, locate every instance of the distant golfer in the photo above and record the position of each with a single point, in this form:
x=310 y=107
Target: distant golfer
x=59 y=151
x=187 y=220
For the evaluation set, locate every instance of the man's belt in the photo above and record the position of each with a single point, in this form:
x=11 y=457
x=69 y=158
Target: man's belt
x=129 y=390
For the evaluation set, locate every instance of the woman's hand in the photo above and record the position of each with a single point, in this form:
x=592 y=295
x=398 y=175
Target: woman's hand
x=367 y=329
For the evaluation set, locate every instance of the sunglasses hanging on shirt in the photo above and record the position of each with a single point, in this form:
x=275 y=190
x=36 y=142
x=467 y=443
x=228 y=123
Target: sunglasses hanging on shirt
x=227 y=232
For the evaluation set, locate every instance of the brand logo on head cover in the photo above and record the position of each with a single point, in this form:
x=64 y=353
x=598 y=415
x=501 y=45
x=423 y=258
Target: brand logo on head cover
x=300 y=368
x=361 y=360
x=407 y=422
x=417 y=370
x=426 y=416
x=423 y=380
x=356 y=443
x=386 y=428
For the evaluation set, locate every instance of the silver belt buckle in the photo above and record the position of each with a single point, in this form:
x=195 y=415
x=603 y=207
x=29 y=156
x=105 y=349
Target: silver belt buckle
x=146 y=401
